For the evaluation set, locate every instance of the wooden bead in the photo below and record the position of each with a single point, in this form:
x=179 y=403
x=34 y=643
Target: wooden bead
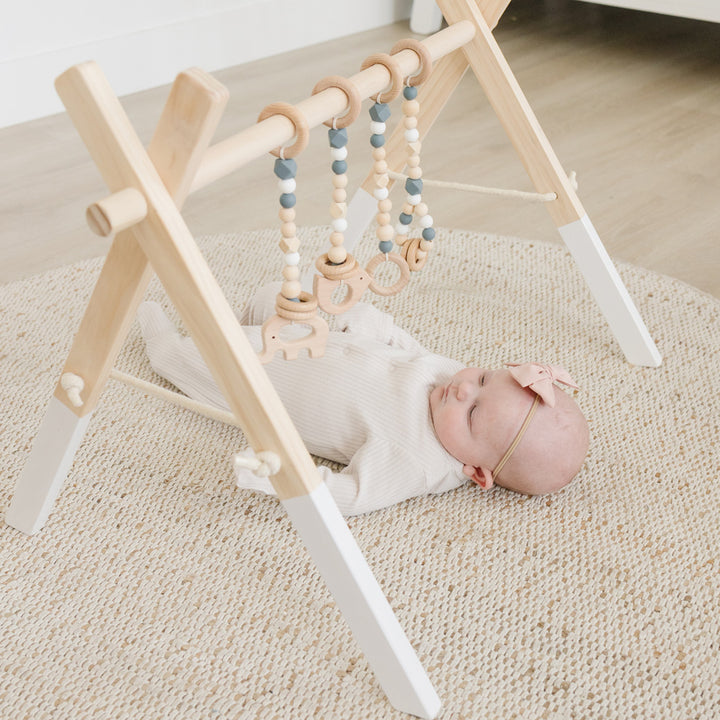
x=385 y=205
x=385 y=232
x=288 y=245
x=382 y=180
x=421 y=209
x=340 y=181
x=426 y=245
x=410 y=107
x=337 y=254
x=287 y=214
x=408 y=209
x=410 y=122
x=380 y=167
x=339 y=195
x=291 y=289
x=415 y=173
x=416 y=147
x=383 y=218
x=337 y=238
x=413 y=160
x=291 y=272
x=338 y=210
x=378 y=153
x=288 y=229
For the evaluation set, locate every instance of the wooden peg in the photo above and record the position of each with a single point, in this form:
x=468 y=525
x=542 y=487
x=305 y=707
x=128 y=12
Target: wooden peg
x=116 y=212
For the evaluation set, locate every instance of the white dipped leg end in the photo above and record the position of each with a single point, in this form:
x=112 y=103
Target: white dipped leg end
x=51 y=457
x=362 y=603
x=610 y=293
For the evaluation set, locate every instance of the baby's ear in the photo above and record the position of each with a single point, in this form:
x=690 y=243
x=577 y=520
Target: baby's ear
x=480 y=476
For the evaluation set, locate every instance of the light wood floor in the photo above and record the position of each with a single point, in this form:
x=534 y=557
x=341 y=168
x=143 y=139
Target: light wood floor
x=629 y=100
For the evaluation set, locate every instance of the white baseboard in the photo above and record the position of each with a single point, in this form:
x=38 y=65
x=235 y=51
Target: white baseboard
x=697 y=9
x=151 y=54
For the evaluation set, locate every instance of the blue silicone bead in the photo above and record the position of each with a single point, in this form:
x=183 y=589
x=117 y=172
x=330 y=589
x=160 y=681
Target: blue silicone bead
x=338 y=138
x=285 y=169
x=410 y=93
x=288 y=200
x=377 y=140
x=428 y=234
x=380 y=112
x=405 y=219
x=385 y=246
x=339 y=167
x=413 y=187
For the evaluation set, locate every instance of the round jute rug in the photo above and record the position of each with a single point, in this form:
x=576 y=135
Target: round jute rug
x=159 y=590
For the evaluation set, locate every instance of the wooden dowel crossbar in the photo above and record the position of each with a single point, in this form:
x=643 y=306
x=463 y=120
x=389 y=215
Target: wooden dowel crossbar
x=229 y=155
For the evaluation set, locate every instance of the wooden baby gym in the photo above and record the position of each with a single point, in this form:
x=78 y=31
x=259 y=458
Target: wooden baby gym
x=147 y=190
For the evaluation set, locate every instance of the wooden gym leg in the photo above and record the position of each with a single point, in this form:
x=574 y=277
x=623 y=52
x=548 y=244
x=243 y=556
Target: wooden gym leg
x=189 y=119
x=544 y=169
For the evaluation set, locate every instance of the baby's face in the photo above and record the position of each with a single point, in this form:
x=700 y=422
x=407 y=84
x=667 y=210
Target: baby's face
x=476 y=414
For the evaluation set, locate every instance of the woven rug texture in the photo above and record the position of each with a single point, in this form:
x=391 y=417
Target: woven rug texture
x=158 y=589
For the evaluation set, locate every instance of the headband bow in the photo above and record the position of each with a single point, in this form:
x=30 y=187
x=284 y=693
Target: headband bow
x=540 y=378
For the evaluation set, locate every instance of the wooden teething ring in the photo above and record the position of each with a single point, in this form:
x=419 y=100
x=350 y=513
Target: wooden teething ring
x=354 y=101
x=302 y=128
x=390 y=289
x=414 y=256
x=423 y=55
x=393 y=67
x=301 y=309
x=343 y=271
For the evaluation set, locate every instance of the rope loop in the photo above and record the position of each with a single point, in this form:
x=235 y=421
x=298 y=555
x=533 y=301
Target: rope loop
x=73 y=385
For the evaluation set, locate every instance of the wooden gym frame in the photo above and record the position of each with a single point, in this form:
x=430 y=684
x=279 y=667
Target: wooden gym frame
x=148 y=189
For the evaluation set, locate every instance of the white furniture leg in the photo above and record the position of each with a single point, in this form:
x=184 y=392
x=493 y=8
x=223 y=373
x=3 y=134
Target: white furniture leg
x=54 y=448
x=610 y=293
x=362 y=603
x=425 y=17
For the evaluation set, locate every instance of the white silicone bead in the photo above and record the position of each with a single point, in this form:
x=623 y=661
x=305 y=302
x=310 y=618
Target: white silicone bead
x=339 y=153
x=339 y=224
x=377 y=128
x=412 y=135
x=287 y=186
x=401 y=229
x=426 y=221
x=414 y=199
x=292 y=258
x=380 y=193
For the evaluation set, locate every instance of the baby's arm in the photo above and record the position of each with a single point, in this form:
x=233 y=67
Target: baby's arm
x=364 y=319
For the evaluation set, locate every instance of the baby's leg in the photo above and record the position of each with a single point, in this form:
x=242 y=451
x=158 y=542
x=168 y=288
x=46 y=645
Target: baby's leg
x=261 y=306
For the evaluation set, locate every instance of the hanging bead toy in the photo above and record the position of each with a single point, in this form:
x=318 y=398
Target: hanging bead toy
x=337 y=266
x=414 y=250
x=379 y=113
x=291 y=304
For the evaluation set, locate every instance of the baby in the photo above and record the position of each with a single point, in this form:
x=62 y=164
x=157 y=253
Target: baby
x=404 y=421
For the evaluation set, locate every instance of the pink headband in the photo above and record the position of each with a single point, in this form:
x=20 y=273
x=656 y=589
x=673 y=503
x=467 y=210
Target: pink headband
x=539 y=378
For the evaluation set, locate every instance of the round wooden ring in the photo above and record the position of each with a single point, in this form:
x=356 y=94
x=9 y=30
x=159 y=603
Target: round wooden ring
x=410 y=250
x=354 y=101
x=336 y=272
x=302 y=128
x=393 y=67
x=303 y=309
x=424 y=57
x=390 y=289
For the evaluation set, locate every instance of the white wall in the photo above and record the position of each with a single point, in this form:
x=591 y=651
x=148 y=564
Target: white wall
x=144 y=43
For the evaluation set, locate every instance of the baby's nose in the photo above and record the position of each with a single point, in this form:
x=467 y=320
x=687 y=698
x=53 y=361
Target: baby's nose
x=464 y=389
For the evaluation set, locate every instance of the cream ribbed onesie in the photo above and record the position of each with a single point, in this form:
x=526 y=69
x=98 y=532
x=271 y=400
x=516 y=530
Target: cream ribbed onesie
x=364 y=404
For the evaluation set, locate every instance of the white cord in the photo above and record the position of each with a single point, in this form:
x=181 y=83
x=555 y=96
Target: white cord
x=516 y=194
x=73 y=385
